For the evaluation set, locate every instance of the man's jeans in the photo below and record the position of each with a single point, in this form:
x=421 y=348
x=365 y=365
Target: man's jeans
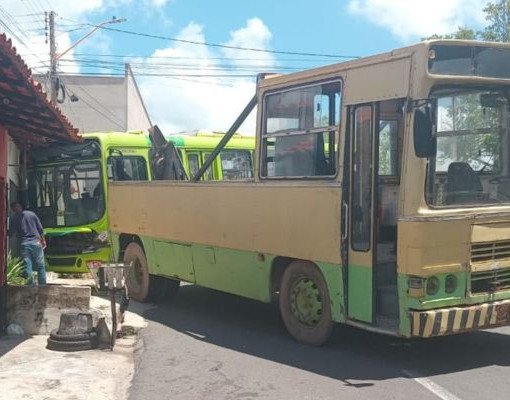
x=33 y=256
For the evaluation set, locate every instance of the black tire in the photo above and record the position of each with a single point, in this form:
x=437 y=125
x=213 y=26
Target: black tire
x=72 y=338
x=305 y=305
x=141 y=285
x=138 y=276
x=78 y=345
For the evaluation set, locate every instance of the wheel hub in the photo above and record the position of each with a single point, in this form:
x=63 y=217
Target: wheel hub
x=306 y=302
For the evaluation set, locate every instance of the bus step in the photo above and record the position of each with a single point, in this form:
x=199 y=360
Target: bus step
x=387 y=323
x=387 y=301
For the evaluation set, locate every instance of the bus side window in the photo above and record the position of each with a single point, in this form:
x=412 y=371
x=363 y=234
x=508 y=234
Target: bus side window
x=300 y=130
x=236 y=164
x=193 y=164
x=132 y=168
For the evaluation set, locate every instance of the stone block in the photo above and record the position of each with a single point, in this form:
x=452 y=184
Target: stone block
x=37 y=308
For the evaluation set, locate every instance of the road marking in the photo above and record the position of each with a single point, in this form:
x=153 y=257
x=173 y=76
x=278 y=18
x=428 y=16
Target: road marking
x=439 y=391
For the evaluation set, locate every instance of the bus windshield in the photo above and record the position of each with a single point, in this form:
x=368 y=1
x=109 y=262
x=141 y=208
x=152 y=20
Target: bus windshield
x=67 y=195
x=471 y=165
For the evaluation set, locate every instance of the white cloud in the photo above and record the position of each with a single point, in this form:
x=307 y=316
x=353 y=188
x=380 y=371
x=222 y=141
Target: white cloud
x=255 y=35
x=175 y=103
x=413 y=19
x=158 y=3
x=187 y=103
x=26 y=23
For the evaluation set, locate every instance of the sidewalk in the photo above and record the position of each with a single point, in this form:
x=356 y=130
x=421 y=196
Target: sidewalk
x=29 y=371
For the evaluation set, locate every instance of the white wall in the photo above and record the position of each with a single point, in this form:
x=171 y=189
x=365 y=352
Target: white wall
x=13 y=162
x=104 y=103
x=137 y=116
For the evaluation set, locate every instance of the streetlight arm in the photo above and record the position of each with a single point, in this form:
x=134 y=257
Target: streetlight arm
x=112 y=21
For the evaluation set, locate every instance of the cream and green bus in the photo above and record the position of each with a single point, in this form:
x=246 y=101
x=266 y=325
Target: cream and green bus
x=381 y=199
x=68 y=186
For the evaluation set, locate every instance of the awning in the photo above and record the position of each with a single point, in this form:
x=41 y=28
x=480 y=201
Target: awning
x=24 y=108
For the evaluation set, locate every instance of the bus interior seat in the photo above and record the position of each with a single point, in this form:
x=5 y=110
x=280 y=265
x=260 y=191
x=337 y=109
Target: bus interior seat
x=48 y=215
x=462 y=183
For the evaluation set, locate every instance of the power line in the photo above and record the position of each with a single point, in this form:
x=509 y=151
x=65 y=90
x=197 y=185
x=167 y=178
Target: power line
x=136 y=56
x=96 y=102
x=145 y=65
x=12 y=21
x=97 y=110
x=224 y=46
x=164 y=74
x=30 y=8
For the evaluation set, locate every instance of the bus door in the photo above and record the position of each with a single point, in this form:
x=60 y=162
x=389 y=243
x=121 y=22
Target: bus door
x=359 y=208
x=193 y=163
x=210 y=174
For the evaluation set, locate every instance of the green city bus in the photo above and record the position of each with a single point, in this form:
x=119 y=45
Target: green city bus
x=68 y=186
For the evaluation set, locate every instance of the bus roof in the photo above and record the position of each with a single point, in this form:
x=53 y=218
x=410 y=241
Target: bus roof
x=194 y=139
x=209 y=140
x=129 y=139
x=421 y=47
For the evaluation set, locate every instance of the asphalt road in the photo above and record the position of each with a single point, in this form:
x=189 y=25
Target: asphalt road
x=210 y=345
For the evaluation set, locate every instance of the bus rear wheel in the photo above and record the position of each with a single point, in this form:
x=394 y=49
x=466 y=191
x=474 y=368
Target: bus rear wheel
x=305 y=305
x=141 y=285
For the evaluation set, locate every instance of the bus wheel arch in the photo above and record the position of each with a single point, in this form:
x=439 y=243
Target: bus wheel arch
x=278 y=266
x=143 y=286
x=124 y=240
x=305 y=304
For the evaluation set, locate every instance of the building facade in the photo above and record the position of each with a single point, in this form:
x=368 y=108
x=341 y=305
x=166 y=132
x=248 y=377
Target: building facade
x=101 y=103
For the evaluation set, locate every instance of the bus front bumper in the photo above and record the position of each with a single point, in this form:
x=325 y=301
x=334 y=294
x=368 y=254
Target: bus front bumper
x=76 y=263
x=448 y=321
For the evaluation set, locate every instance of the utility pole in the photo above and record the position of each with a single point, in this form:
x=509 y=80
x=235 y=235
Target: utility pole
x=53 y=60
x=54 y=57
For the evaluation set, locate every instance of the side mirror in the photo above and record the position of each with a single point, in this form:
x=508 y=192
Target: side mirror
x=425 y=143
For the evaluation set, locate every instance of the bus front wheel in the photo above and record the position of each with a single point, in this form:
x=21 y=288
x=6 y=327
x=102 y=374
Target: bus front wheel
x=141 y=285
x=304 y=303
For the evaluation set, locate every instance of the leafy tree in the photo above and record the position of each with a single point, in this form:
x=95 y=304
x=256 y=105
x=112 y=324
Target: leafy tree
x=462 y=33
x=498 y=16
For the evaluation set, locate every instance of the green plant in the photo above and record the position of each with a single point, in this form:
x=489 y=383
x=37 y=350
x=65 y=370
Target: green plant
x=15 y=270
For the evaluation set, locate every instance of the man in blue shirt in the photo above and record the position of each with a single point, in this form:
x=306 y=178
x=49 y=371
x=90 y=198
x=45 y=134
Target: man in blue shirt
x=28 y=228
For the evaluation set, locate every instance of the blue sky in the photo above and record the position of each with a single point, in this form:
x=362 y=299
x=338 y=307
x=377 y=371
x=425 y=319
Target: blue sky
x=189 y=99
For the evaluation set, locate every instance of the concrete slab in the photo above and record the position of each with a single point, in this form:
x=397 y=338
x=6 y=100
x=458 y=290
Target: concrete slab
x=29 y=371
x=37 y=308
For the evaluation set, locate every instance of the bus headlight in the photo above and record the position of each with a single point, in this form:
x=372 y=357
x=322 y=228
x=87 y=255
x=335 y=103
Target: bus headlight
x=103 y=236
x=432 y=286
x=450 y=284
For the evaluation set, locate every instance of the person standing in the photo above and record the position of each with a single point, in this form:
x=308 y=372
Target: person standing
x=28 y=228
